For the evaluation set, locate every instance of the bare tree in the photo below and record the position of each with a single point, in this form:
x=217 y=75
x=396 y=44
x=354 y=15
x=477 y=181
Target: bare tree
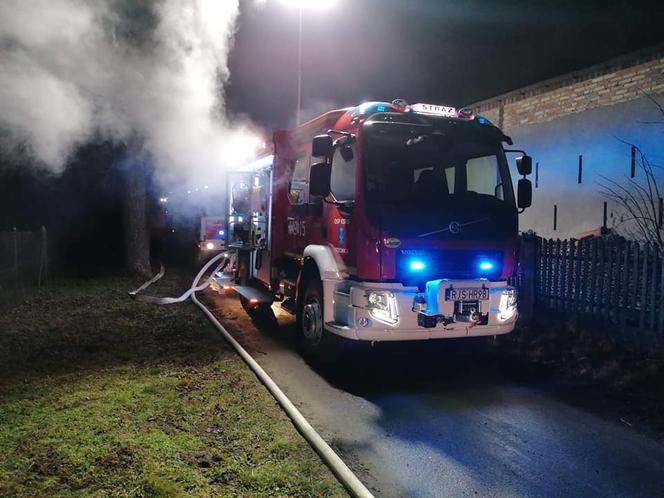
x=136 y=237
x=639 y=203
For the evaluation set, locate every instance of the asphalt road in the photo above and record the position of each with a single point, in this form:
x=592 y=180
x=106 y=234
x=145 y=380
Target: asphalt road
x=441 y=419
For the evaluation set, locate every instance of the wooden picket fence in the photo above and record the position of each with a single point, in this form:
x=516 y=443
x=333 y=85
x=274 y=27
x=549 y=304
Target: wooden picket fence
x=615 y=280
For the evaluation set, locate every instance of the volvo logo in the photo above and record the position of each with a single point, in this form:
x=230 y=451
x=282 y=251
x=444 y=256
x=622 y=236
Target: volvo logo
x=454 y=227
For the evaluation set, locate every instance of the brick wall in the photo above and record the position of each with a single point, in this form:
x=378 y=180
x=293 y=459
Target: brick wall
x=610 y=84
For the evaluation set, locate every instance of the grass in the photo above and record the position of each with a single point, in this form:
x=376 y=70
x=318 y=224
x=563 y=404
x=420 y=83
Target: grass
x=104 y=396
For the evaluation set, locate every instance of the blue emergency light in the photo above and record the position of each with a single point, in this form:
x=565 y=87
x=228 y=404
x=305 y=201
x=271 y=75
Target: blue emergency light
x=417 y=265
x=486 y=265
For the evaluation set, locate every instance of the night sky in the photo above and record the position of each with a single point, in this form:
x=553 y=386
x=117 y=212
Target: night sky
x=441 y=51
x=438 y=51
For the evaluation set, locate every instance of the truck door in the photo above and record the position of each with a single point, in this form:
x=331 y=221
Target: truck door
x=261 y=202
x=343 y=187
x=298 y=196
x=248 y=226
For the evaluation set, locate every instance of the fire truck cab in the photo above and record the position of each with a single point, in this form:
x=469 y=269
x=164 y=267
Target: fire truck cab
x=381 y=222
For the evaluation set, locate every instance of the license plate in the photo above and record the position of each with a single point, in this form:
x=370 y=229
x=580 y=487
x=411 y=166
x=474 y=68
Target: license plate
x=467 y=294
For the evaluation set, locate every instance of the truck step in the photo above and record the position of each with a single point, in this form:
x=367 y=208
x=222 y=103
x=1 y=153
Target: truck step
x=254 y=293
x=223 y=279
x=289 y=305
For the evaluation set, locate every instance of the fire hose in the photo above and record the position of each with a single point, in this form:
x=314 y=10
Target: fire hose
x=324 y=450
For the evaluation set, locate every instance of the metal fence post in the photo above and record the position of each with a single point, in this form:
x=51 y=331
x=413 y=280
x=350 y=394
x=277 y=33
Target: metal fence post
x=15 y=234
x=42 y=258
x=45 y=232
x=527 y=292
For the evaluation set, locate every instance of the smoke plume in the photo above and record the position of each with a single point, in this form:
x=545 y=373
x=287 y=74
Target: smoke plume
x=138 y=72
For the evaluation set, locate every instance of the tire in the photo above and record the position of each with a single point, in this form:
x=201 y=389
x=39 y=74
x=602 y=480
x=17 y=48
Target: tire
x=316 y=342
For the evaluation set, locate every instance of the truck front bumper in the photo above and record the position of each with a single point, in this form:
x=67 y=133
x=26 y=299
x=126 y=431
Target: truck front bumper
x=407 y=314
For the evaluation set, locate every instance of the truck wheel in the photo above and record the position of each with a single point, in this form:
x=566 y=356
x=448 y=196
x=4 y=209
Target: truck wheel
x=316 y=342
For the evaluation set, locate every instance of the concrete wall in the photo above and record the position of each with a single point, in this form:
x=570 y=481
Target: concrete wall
x=598 y=115
x=598 y=135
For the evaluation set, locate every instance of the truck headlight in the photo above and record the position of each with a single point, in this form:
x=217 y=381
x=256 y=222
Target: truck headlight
x=507 y=305
x=382 y=306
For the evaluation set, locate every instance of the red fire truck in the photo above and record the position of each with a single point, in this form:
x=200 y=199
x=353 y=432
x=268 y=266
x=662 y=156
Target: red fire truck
x=213 y=234
x=381 y=222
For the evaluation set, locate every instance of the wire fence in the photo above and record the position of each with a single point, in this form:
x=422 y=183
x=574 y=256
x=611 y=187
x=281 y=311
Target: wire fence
x=23 y=261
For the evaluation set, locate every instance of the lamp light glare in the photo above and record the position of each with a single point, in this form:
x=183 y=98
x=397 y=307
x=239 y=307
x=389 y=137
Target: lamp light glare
x=315 y=4
x=486 y=265
x=417 y=265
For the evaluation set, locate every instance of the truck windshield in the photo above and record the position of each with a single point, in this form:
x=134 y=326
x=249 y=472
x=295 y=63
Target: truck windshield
x=430 y=168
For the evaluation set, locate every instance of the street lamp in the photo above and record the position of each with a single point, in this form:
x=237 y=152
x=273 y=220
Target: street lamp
x=301 y=5
x=299 y=67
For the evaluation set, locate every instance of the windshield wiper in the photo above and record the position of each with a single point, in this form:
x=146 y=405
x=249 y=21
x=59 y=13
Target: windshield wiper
x=454 y=227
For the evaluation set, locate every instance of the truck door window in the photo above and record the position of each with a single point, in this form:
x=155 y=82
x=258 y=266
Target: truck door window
x=450 y=174
x=299 y=183
x=342 y=181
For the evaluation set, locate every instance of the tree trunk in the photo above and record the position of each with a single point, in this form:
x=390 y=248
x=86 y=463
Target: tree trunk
x=136 y=238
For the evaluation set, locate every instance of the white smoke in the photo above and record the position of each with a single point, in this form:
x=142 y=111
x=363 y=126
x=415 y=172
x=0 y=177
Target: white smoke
x=148 y=72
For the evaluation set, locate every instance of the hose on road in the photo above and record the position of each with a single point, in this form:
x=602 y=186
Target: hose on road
x=327 y=454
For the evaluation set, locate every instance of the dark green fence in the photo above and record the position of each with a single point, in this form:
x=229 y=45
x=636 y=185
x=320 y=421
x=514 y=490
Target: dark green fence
x=614 y=280
x=23 y=260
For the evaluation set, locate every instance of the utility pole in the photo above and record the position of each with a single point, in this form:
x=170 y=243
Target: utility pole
x=299 y=69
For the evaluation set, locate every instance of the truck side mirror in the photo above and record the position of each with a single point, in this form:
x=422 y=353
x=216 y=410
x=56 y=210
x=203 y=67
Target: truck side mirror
x=319 y=179
x=321 y=146
x=524 y=193
x=524 y=164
